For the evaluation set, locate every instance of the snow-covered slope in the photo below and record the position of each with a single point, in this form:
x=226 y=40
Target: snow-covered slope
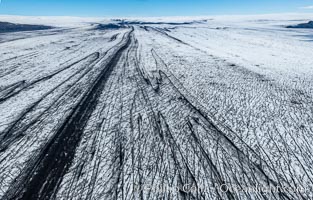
x=210 y=107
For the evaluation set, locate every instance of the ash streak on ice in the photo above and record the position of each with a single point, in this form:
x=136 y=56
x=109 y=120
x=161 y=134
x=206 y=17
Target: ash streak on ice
x=102 y=111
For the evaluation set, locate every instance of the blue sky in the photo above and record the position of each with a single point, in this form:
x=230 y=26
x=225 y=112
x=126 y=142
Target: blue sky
x=151 y=7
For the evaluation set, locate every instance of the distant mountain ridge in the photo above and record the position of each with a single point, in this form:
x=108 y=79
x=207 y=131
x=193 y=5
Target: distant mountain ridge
x=304 y=25
x=11 y=27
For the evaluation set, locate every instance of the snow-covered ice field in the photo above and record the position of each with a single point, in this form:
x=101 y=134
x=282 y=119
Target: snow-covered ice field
x=216 y=107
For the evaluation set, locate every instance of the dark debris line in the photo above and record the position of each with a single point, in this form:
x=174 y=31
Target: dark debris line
x=44 y=177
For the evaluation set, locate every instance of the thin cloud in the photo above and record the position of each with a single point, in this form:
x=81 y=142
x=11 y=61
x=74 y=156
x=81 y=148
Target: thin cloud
x=307 y=7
